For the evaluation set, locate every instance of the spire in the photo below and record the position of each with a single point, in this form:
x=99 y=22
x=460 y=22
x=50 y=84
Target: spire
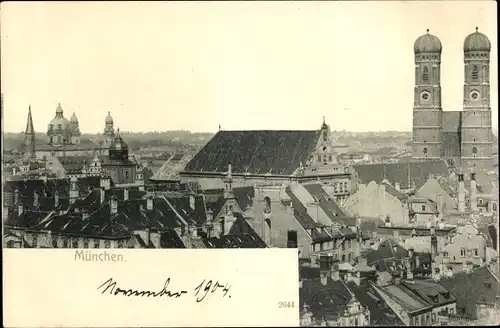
x=29 y=124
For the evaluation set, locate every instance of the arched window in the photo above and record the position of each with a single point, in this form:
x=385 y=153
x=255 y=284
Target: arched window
x=425 y=74
x=268 y=205
x=474 y=151
x=343 y=257
x=425 y=151
x=475 y=73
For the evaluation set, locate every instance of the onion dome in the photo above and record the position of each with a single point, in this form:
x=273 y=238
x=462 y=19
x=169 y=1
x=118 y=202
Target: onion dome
x=109 y=119
x=73 y=118
x=477 y=42
x=427 y=43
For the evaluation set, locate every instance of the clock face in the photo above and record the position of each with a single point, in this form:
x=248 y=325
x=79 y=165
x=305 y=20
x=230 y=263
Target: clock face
x=474 y=95
x=425 y=95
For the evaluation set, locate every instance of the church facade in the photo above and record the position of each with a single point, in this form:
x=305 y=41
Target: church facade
x=63 y=138
x=465 y=136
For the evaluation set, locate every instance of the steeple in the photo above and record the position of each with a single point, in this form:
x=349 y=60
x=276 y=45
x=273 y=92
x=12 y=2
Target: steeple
x=29 y=137
x=228 y=181
x=29 y=124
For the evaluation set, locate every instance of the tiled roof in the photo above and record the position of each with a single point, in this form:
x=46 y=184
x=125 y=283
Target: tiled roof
x=244 y=197
x=300 y=211
x=480 y=286
x=327 y=204
x=258 y=152
x=394 y=192
x=380 y=313
x=416 y=172
x=431 y=292
x=234 y=241
x=324 y=301
x=170 y=239
x=387 y=249
x=241 y=226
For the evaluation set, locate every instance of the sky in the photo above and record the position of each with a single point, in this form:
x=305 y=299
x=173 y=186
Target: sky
x=161 y=66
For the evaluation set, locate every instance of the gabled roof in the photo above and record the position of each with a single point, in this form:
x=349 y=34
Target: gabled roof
x=480 y=286
x=234 y=241
x=300 y=211
x=326 y=203
x=257 y=152
x=380 y=313
x=241 y=226
x=394 y=192
x=387 y=249
x=404 y=174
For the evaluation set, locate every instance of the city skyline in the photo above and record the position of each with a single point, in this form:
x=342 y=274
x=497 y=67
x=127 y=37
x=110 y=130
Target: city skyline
x=243 y=66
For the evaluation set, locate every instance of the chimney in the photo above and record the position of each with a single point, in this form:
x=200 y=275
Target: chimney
x=409 y=274
x=473 y=192
x=125 y=194
x=461 y=193
x=440 y=204
x=292 y=239
x=335 y=272
x=35 y=199
x=192 y=201
x=114 y=205
x=20 y=208
x=149 y=202
x=102 y=195
x=324 y=277
x=434 y=246
x=16 y=196
x=397 y=185
x=325 y=265
x=56 y=199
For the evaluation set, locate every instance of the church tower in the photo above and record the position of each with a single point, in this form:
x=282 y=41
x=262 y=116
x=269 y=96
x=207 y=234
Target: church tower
x=427 y=110
x=109 y=131
x=29 y=137
x=476 y=135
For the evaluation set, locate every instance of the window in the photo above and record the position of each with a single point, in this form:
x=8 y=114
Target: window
x=35 y=241
x=476 y=252
x=97 y=243
x=54 y=241
x=343 y=257
x=335 y=187
x=85 y=243
x=59 y=126
x=423 y=208
x=343 y=246
x=474 y=151
x=107 y=244
x=349 y=257
x=126 y=174
x=330 y=158
x=475 y=73
x=120 y=244
x=65 y=243
x=480 y=201
x=425 y=74
x=425 y=151
x=345 y=186
x=494 y=206
x=319 y=158
x=462 y=252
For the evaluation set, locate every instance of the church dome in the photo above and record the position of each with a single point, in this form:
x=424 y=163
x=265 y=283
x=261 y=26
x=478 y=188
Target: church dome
x=109 y=119
x=427 y=43
x=60 y=120
x=477 y=42
x=73 y=118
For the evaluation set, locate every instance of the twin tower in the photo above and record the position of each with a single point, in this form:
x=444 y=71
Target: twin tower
x=464 y=136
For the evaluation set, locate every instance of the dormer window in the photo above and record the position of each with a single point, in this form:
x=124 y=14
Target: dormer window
x=59 y=126
x=51 y=127
x=423 y=208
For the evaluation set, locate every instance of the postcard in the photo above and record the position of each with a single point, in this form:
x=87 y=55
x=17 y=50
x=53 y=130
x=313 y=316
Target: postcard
x=250 y=163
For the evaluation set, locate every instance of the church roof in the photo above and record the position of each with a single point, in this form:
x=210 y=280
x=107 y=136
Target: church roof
x=477 y=42
x=257 y=152
x=404 y=173
x=29 y=124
